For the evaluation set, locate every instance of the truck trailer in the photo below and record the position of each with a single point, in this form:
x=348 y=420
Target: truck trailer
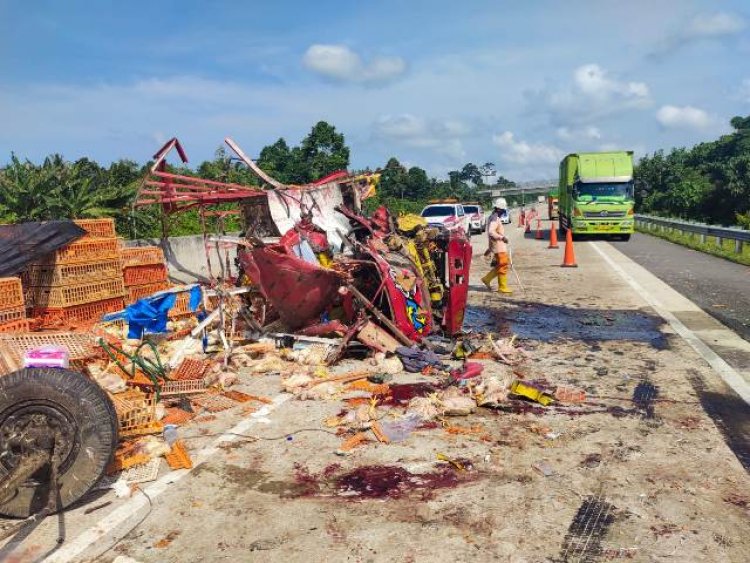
x=596 y=194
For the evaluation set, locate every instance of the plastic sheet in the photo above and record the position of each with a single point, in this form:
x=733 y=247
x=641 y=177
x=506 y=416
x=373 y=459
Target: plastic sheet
x=25 y=243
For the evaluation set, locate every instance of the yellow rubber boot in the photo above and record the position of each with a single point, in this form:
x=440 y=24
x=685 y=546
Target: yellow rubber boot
x=487 y=279
x=502 y=284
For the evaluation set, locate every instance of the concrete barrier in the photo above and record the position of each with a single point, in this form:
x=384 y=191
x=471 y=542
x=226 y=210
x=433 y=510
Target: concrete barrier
x=186 y=258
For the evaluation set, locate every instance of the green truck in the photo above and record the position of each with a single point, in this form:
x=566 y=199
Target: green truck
x=595 y=195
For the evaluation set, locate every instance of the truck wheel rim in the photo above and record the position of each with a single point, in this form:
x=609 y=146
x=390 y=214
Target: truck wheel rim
x=38 y=424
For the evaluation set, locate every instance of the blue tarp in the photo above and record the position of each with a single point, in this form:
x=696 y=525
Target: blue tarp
x=150 y=314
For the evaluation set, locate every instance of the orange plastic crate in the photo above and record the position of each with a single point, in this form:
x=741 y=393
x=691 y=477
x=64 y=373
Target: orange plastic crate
x=178 y=457
x=176 y=416
x=190 y=368
x=21 y=325
x=85 y=250
x=11 y=293
x=12 y=314
x=147 y=273
x=136 y=412
x=142 y=255
x=183 y=387
x=97 y=228
x=69 y=274
x=80 y=345
x=70 y=295
x=80 y=314
x=137 y=292
x=181 y=306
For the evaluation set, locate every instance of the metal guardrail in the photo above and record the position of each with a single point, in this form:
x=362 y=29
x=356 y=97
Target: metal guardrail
x=739 y=236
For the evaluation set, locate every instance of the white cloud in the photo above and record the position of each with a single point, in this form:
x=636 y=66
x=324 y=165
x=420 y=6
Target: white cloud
x=594 y=93
x=715 y=25
x=342 y=64
x=686 y=117
x=514 y=151
x=569 y=134
x=442 y=136
x=593 y=81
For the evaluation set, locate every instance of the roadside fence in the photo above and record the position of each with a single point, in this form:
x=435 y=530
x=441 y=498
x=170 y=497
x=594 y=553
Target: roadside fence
x=720 y=234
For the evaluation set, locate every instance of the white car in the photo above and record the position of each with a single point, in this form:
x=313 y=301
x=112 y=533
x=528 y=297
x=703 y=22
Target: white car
x=477 y=218
x=447 y=216
x=505 y=218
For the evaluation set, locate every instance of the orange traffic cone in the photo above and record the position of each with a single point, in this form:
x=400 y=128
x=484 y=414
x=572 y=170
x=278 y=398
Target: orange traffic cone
x=553 y=236
x=521 y=219
x=539 y=235
x=569 y=260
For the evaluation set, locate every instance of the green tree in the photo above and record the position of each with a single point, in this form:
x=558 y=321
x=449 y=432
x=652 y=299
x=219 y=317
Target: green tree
x=709 y=182
x=322 y=152
x=277 y=161
x=23 y=187
x=417 y=184
x=471 y=173
x=393 y=179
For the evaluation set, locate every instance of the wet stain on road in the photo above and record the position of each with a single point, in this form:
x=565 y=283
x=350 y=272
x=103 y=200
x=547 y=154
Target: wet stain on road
x=644 y=395
x=382 y=481
x=361 y=483
x=402 y=393
x=553 y=322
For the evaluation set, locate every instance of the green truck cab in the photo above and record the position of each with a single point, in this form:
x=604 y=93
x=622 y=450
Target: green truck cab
x=595 y=195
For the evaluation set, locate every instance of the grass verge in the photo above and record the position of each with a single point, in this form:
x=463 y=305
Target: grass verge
x=711 y=246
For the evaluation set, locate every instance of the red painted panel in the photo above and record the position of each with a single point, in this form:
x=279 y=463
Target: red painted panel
x=459 y=264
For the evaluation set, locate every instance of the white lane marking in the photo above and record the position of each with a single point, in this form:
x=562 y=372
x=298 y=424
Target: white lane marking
x=727 y=372
x=71 y=550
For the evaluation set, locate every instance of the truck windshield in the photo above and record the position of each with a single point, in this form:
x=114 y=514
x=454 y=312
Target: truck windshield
x=593 y=192
x=471 y=209
x=439 y=211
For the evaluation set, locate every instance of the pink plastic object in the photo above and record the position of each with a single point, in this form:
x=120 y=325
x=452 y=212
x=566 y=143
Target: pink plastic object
x=47 y=357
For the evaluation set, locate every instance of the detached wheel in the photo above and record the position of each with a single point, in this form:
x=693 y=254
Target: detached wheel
x=43 y=407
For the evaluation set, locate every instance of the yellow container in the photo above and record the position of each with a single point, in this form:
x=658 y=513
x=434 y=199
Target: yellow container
x=530 y=392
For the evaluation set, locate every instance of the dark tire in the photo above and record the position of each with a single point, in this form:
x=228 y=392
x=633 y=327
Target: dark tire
x=84 y=412
x=625 y=238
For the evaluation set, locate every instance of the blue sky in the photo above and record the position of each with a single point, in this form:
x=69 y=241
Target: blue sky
x=434 y=83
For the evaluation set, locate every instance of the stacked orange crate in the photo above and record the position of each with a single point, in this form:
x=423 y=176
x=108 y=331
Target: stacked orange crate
x=144 y=271
x=80 y=282
x=12 y=308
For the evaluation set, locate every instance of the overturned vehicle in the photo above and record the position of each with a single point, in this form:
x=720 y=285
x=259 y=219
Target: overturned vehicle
x=316 y=265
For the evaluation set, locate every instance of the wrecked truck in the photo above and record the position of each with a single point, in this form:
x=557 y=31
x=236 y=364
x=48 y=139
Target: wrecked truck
x=417 y=279
x=317 y=265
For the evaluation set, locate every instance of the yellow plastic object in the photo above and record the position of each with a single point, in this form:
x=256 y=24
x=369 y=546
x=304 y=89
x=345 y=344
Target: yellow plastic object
x=410 y=222
x=457 y=464
x=524 y=390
